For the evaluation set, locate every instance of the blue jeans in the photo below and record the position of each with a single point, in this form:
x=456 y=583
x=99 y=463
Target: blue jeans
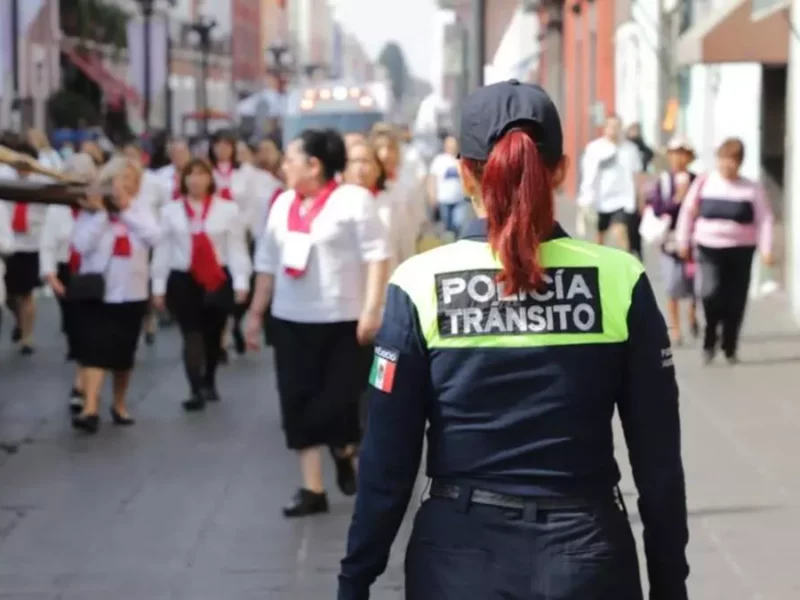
x=459 y=552
x=451 y=216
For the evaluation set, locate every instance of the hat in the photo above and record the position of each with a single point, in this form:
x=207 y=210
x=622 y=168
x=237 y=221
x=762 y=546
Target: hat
x=489 y=112
x=680 y=142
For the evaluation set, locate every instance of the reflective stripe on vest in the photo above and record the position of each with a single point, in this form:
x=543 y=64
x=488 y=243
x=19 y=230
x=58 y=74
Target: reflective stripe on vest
x=460 y=305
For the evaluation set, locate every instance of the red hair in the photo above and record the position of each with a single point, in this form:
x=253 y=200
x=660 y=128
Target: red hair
x=516 y=186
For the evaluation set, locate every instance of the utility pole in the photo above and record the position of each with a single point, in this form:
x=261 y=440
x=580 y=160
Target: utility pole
x=580 y=107
x=478 y=42
x=15 y=107
x=203 y=28
x=147 y=14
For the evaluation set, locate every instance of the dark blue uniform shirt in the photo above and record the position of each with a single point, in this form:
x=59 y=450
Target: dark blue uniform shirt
x=527 y=421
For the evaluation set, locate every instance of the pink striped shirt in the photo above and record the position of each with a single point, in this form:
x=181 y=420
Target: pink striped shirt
x=729 y=214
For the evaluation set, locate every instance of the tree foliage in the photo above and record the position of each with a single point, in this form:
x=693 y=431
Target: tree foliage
x=394 y=61
x=101 y=21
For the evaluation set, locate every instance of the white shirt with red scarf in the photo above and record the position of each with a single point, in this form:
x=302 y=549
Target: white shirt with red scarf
x=345 y=236
x=26 y=239
x=266 y=190
x=226 y=230
x=59 y=222
x=95 y=239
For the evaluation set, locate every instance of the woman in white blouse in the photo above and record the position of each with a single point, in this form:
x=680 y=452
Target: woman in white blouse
x=364 y=169
x=112 y=247
x=22 y=267
x=322 y=264
x=201 y=269
x=54 y=264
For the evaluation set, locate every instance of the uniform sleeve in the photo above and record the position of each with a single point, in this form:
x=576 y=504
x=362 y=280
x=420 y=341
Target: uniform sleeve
x=160 y=265
x=399 y=398
x=371 y=235
x=142 y=223
x=6 y=233
x=239 y=262
x=650 y=419
x=88 y=231
x=49 y=241
x=268 y=252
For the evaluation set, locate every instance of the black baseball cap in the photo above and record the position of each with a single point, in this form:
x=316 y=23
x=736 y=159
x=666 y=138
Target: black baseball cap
x=490 y=111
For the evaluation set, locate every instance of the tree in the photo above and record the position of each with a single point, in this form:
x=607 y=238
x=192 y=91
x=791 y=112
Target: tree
x=394 y=61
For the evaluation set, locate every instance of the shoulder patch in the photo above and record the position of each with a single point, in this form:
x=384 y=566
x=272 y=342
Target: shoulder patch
x=384 y=365
x=471 y=303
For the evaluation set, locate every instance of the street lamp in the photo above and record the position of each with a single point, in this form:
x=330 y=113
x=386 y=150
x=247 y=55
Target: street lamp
x=203 y=28
x=279 y=61
x=147 y=13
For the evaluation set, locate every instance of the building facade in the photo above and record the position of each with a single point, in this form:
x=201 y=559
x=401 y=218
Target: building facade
x=590 y=73
x=247 y=52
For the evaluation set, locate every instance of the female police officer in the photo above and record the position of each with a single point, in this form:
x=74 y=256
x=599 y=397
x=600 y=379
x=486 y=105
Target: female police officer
x=516 y=344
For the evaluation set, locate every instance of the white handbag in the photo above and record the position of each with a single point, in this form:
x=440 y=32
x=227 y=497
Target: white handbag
x=653 y=229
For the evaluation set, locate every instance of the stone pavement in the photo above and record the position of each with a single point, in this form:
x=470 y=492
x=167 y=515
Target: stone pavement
x=187 y=507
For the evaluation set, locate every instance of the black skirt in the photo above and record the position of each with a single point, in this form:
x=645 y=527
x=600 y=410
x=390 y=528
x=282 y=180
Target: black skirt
x=321 y=371
x=22 y=273
x=107 y=334
x=192 y=306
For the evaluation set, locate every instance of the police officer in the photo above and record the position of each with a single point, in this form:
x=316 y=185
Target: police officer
x=515 y=344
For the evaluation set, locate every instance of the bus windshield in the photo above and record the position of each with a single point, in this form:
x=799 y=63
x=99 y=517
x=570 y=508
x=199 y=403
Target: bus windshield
x=350 y=122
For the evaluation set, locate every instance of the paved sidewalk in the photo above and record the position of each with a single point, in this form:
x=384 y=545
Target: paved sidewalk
x=188 y=507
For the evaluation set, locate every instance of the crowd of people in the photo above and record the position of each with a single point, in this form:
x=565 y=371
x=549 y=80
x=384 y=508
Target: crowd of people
x=245 y=245
x=707 y=226
x=207 y=240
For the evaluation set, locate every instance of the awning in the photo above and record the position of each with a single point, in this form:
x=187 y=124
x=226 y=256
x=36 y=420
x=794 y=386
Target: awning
x=113 y=88
x=729 y=34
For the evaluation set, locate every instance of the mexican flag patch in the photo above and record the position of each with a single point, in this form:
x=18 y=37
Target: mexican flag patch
x=384 y=365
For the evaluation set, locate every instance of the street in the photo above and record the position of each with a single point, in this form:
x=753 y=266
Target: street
x=188 y=506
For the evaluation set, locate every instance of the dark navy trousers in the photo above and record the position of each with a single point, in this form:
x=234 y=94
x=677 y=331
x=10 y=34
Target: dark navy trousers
x=474 y=552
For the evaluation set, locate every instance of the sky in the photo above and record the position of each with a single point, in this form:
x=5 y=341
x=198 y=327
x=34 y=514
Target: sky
x=408 y=22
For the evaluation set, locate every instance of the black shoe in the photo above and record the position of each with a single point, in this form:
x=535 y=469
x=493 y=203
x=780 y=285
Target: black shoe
x=238 y=341
x=345 y=473
x=210 y=394
x=194 y=404
x=86 y=423
x=122 y=421
x=75 y=401
x=16 y=334
x=27 y=350
x=149 y=338
x=708 y=357
x=306 y=503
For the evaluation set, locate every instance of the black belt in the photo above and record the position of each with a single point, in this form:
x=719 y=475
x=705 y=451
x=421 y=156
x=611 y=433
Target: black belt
x=487 y=498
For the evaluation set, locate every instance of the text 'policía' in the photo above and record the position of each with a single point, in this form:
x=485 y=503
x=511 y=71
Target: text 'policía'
x=474 y=303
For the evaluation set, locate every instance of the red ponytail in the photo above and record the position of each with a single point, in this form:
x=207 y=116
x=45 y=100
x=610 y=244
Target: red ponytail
x=518 y=196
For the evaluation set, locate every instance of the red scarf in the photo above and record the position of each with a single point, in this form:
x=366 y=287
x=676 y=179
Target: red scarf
x=275 y=195
x=301 y=223
x=122 y=243
x=74 y=257
x=19 y=221
x=374 y=191
x=204 y=268
x=223 y=175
